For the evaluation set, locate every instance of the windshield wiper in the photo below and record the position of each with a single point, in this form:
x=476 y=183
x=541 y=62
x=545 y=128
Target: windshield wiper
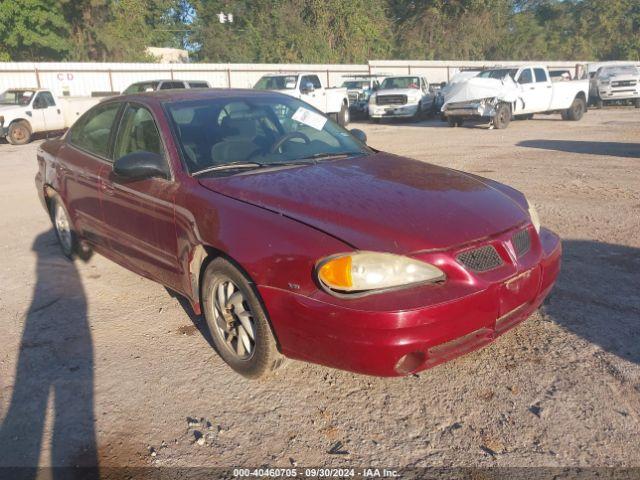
x=229 y=166
x=329 y=156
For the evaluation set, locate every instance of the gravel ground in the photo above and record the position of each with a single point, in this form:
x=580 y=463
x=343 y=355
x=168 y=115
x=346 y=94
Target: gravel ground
x=97 y=363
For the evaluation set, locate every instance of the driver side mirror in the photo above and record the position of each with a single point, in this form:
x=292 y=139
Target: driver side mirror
x=140 y=165
x=307 y=88
x=359 y=134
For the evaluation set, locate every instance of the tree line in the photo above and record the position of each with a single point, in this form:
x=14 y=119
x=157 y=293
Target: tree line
x=320 y=31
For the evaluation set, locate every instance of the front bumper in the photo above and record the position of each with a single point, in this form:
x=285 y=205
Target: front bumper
x=373 y=340
x=619 y=93
x=392 y=111
x=470 y=110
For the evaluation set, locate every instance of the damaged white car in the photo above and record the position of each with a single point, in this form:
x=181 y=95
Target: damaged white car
x=501 y=94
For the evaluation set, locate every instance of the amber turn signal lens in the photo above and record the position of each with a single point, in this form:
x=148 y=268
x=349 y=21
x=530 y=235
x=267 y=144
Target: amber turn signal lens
x=336 y=273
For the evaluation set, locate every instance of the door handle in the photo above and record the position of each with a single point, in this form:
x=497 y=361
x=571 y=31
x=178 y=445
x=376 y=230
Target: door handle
x=107 y=189
x=532 y=88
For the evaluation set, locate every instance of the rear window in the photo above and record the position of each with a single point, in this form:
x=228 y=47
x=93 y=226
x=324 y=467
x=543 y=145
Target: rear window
x=198 y=85
x=141 y=87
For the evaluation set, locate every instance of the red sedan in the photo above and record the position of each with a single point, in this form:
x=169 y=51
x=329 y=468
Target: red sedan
x=291 y=236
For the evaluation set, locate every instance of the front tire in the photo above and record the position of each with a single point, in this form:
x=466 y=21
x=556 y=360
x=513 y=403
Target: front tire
x=343 y=116
x=19 y=133
x=502 y=117
x=576 y=111
x=237 y=321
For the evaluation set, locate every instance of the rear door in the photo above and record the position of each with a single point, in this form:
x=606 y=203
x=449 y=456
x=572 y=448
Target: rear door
x=82 y=159
x=140 y=213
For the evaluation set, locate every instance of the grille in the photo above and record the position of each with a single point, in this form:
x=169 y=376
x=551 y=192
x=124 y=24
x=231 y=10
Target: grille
x=481 y=259
x=391 y=99
x=521 y=242
x=624 y=83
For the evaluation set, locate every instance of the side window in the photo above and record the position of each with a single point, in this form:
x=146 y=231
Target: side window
x=137 y=133
x=525 y=76
x=92 y=131
x=304 y=80
x=540 y=74
x=46 y=99
x=315 y=80
x=170 y=85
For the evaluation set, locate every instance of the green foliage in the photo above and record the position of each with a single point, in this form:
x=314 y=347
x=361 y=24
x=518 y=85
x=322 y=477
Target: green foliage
x=321 y=31
x=32 y=30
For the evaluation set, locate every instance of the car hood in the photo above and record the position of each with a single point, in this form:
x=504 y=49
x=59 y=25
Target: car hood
x=620 y=78
x=6 y=109
x=382 y=202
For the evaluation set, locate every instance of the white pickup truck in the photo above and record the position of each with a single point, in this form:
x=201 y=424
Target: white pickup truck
x=616 y=83
x=27 y=111
x=308 y=88
x=501 y=94
x=403 y=96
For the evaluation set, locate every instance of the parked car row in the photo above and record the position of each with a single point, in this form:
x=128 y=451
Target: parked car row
x=25 y=112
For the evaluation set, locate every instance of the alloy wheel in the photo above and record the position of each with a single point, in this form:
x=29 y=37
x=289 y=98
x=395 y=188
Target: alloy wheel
x=63 y=228
x=233 y=319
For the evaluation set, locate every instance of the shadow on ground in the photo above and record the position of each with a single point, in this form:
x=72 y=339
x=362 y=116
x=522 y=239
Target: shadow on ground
x=614 y=149
x=598 y=296
x=55 y=367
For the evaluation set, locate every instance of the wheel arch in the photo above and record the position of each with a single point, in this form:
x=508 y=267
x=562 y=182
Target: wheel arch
x=203 y=256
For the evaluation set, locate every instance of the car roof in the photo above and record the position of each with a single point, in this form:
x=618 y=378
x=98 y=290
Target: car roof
x=164 y=96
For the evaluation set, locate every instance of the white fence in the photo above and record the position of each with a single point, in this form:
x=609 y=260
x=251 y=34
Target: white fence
x=81 y=79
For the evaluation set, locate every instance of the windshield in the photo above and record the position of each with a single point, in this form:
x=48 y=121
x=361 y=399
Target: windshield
x=265 y=130
x=499 y=74
x=356 y=85
x=16 y=97
x=142 y=87
x=277 y=82
x=622 y=70
x=401 y=82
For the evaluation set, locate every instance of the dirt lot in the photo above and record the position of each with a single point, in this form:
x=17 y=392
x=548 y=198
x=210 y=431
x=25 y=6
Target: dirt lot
x=96 y=362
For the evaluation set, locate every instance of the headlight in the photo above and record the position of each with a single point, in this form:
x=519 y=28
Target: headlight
x=367 y=271
x=535 y=220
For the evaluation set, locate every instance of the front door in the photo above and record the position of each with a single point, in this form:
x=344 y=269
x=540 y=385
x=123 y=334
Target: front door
x=52 y=114
x=316 y=97
x=140 y=213
x=528 y=93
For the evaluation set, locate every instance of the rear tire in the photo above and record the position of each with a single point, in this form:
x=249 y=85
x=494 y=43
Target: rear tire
x=576 y=111
x=599 y=103
x=343 y=116
x=502 y=117
x=19 y=133
x=455 y=121
x=237 y=321
x=67 y=237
